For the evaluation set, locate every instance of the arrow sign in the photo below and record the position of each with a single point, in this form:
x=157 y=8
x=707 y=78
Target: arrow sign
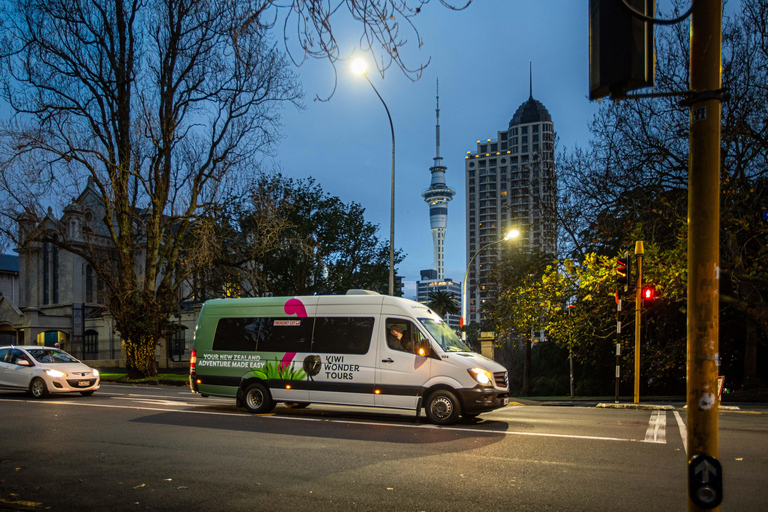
x=705 y=469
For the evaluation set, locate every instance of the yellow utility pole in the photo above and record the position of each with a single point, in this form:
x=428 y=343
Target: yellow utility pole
x=704 y=471
x=638 y=313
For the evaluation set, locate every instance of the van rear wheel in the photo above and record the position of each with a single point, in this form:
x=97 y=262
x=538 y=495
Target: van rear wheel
x=257 y=399
x=443 y=407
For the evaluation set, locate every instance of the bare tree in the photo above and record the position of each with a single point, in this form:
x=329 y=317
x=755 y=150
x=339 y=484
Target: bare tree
x=159 y=104
x=155 y=103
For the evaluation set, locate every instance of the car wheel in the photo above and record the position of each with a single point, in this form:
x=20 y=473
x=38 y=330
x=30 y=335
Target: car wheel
x=37 y=388
x=257 y=399
x=86 y=393
x=443 y=407
x=297 y=405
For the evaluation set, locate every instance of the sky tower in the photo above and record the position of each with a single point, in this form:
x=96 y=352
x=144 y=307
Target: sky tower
x=437 y=197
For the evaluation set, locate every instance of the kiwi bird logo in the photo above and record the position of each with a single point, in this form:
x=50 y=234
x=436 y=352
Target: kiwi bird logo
x=312 y=366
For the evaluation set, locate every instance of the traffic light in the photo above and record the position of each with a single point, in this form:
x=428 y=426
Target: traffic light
x=623 y=271
x=649 y=294
x=621 y=47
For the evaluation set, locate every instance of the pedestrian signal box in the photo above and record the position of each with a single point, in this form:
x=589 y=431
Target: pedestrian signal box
x=705 y=481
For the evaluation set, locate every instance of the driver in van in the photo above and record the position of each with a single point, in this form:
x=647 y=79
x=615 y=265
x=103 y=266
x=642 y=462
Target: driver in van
x=395 y=337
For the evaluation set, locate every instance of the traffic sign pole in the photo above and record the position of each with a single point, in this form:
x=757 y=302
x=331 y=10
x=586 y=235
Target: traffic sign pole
x=638 y=310
x=704 y=255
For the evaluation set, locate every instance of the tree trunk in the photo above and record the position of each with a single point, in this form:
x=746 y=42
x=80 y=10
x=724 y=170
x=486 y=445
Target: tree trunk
x=750 y=351
x=527 y=368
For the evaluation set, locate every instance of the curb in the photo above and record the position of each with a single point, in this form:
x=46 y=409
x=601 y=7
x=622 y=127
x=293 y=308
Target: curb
x=642 y=407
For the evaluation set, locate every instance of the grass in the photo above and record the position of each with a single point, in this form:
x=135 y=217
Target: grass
x=168 y=379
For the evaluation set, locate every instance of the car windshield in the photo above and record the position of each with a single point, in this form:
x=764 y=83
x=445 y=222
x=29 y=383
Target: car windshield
x=51 y=356
x=444 y=335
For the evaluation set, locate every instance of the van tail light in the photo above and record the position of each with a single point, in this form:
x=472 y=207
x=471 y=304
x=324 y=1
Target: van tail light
x=193 y=362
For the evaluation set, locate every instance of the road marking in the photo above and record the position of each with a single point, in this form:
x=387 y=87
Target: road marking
x=683 y=431
x=155 y=401
x=327 y=420
x=657 y=428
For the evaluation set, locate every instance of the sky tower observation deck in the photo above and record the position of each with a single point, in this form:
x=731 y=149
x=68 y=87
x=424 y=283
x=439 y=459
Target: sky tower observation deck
x=437 y=197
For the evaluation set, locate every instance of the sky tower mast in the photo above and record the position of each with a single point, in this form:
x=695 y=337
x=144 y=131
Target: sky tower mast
x=437 y=197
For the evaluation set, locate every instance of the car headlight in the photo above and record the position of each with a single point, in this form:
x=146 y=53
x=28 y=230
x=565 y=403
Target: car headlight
x=56 y=374
x=483 y=377
x=95 y=372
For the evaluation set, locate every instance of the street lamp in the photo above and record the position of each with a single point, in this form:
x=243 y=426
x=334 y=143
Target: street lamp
x=513 y=233
x=359 y=67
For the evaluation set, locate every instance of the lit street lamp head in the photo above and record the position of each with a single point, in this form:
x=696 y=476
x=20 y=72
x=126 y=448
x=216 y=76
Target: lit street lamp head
x=359 y=67
x=513 y=233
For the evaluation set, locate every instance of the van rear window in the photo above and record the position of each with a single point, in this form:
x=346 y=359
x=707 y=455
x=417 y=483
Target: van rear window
x=263 y=334
x=341 y=335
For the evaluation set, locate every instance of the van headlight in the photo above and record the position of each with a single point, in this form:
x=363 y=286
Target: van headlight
x=483 y=377
x=56 y=374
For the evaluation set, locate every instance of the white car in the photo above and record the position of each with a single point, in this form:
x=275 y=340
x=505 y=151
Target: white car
x=43 y=370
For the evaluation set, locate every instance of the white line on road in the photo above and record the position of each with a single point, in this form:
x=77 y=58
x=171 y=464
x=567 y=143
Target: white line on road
x=683 y=431
x=327 y=420
x=657 y=428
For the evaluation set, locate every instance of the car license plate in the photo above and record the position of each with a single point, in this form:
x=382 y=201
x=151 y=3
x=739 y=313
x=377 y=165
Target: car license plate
x=506 y=401
x=84 y=383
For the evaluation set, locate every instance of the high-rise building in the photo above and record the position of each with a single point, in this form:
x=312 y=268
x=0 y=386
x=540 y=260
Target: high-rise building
x=510 y=183
x=437 y=197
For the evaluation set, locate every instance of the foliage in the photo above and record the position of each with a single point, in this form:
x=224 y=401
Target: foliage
x=443 y=303
x=289 y=237
x=631 y=184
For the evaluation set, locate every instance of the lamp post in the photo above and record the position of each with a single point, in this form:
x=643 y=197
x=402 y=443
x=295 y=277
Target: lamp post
x=513 y=233
x=359 y=67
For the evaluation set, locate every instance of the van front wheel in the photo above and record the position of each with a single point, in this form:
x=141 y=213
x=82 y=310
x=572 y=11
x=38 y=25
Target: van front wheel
x=443 y=407
x=257 y=399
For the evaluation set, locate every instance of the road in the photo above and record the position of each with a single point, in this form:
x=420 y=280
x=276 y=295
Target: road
x=164 y=448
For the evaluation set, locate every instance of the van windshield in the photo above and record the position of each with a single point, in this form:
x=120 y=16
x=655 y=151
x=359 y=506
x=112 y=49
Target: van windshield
x=444 y=335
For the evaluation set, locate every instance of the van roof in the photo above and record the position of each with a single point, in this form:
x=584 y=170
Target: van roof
x=298 y=301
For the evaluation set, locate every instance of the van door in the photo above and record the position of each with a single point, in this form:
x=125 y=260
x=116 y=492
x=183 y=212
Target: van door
x=401 y=371
x=344 y=361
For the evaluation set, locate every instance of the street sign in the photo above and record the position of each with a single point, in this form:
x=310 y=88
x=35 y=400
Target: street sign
x=705 y=481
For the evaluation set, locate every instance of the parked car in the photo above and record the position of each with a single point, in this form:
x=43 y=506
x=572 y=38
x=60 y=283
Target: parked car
x=43 y=370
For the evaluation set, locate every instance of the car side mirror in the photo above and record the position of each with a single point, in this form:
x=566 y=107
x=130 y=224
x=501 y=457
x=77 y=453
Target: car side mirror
x=22 y=362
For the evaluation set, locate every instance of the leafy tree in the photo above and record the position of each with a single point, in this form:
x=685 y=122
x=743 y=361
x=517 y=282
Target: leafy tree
x=443 y=303
x=631 y=182
x=159 y=104
x=289 y=237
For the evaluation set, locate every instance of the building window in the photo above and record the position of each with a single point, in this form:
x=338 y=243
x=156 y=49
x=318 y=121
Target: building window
x=55 y=275
x=46 y=273
x=178 y=344
x=91 y=345
x=90 y=284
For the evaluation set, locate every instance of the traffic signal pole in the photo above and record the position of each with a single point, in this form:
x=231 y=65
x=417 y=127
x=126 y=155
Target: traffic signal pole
x=704 y=256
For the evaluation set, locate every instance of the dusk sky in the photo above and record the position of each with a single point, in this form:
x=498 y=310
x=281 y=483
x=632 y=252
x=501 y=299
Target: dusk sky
x=481 y=57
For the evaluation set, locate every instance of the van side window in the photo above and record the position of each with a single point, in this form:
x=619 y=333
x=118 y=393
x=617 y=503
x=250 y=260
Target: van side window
x=264 y=334
x=404 y=336
x=335 y=335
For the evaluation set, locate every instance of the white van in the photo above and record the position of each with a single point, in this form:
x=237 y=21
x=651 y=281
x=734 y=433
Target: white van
x=356 y=349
